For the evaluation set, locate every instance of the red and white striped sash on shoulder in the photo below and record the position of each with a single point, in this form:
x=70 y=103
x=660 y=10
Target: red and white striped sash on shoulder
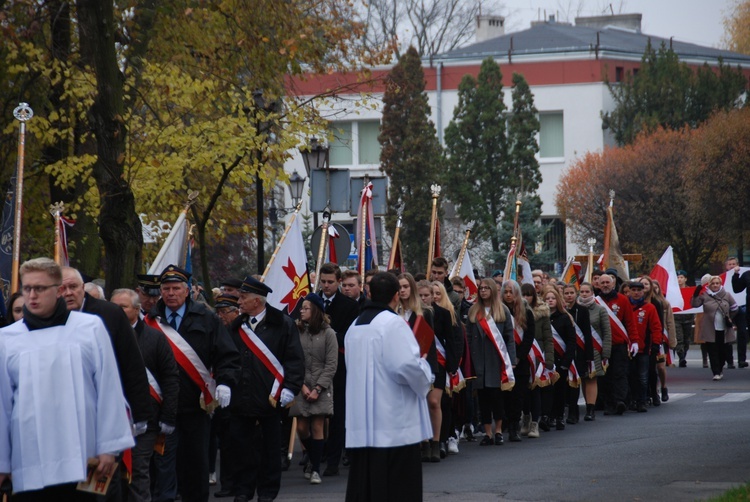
x=507 y=379
x=269 y=360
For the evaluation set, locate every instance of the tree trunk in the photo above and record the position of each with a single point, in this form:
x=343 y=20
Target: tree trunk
x=119 y=225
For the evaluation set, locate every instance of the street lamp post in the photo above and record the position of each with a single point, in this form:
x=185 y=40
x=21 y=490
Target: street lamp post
x=296 y=186
x=316 y=156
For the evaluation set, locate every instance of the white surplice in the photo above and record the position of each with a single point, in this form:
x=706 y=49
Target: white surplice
x=61 y=401
x=386 y=385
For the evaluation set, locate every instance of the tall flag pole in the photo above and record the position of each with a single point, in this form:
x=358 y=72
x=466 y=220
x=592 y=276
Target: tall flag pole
x=286 y=272
x=173 y=249
x=322 y=247
x=463 y=269
x=435 y=189
x=511 y=264
x=61 y=235
x=590 y=266
x=22 y=113
x=612 y=256
x=395 y=260
x=366 y=239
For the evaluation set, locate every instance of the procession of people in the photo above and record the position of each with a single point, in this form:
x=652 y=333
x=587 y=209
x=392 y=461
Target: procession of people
x=378 y=375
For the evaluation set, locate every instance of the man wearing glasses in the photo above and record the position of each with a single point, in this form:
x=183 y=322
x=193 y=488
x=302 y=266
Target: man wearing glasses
x=58 y=367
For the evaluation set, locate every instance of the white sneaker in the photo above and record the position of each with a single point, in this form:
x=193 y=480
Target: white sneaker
x=315 y=478
x=525 y=424
x=452 y=446
x=717 y=377
x=533 y=430
x=211 y=478
x=721 y=376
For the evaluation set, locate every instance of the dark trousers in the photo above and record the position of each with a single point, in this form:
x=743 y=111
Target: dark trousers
x=638 y=377
x=446 y=424
x=385 y=474
x=532 y=403
x=559 y=395
x=56 y=493
x=514 y=399
x=742 y=334
x=220 y=426
x=616 y=378
x=717 y=353
x=337 y=431
x=684 y=327
x=490 y=405
x=192 y=455
x=139 y=489
x=256 y=457
x=164 y=472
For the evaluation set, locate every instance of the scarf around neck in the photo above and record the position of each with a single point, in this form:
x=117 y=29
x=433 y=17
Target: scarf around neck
x=58 y=318
x=586 y=302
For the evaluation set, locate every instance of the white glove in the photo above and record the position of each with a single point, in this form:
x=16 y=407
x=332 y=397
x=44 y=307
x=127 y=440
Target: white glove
x=286 y=397
x=139 y=428
x=166 y=429
x=223 y=395
x=634 y=349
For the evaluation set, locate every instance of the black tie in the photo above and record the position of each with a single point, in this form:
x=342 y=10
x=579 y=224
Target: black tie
x=173 y=320
x=326 y=304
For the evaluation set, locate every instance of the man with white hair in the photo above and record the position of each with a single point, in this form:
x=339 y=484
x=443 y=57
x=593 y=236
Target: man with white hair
x=61 y=401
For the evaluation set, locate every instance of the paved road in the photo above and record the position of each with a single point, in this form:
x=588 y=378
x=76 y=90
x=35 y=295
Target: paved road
x=695 y=446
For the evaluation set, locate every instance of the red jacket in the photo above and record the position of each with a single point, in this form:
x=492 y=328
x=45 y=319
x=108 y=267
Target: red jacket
x=648 y=327
x=622 y=308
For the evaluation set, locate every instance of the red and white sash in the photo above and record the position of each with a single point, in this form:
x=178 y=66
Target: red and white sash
x=507 y=379
x=153 y=387
x=187 y=358
x=597 y=340
x=615 y=322
x=536 y=364
x=580 y=339
x=453 y=383
x=269 y=360
x=574 y=379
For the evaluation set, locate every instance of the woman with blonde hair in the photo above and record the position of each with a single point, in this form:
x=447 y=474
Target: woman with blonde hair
x=716 y=326
x=490 y=336
x=564 y=335
x=411 y=308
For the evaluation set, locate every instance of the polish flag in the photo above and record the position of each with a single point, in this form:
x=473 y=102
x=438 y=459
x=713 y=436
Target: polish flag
x=666 y=273
x=467 y=274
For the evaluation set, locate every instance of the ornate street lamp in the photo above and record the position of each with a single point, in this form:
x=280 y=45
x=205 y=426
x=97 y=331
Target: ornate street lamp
x=315 y=156
x=296 y=186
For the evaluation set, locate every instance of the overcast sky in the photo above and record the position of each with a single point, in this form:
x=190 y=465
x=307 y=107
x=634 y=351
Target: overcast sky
x=696 y=21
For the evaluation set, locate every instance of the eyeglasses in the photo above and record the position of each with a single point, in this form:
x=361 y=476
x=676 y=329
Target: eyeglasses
x=484 y=288
x=37 y=289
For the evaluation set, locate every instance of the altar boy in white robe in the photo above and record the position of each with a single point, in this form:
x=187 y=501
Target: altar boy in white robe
x=387 y=416
x=61 y=402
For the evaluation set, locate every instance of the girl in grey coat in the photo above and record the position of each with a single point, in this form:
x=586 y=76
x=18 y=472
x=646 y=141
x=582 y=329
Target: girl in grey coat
x=315 y=401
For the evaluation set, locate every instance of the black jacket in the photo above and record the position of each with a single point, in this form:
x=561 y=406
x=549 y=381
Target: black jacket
x=742 y=283
x=128 y=355
x=450 y=336
x=279 y=333
x=208 y=337
x=159 y=359
x=564 y=327
x=581 y=317
x=342 y=311
x=523 y=349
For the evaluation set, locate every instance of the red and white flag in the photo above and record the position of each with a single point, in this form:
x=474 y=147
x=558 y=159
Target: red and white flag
x=287 y=274
x=666 y=273
x=467 y=274
x=62 y=224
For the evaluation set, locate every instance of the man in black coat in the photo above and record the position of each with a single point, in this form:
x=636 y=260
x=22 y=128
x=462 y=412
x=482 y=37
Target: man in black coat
x=129 y=361
x=740 y=283
x=343 y=311
x=164 y=387
x=261 y=390
x=202 y=335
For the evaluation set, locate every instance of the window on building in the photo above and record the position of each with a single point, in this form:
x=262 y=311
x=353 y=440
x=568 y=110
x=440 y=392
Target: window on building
x=619 y=74
x=554 y=239
x=341 y=152
x=369 y=146
x=551 y=138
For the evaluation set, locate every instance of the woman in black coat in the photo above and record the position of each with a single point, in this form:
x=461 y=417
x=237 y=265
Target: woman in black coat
x=564 y=336
x=584 y=355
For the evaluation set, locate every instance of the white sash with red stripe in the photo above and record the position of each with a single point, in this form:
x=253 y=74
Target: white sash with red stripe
x=580 y=339
x=597 y=340
x=188 y=359
x=264 y=354
x=453 y=383
x=574 y=379
x=615 y=322
x=507 y=379
x=153 y=387
x=536 y=365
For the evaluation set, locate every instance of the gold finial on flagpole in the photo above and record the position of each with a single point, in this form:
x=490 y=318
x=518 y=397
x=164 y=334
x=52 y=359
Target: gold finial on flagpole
x=23 y=113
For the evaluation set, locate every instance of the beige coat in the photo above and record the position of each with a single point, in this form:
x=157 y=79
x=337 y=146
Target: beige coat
x=721 y=301
x=321 y=360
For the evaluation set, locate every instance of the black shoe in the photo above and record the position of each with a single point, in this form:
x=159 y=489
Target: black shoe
x=641 y=408
x=683 y=364
x=304 y=460
x=285 y=462
x=331 y=470
x=731 y=367
x=499 y=439
x=345 y=460
x=486 y=441
x=743 y=364
x=664 y=394
x=544 y=424
x=443 y=450
x=425 y=451
x=590 y=413
x=560 y=425
x=223 y=493
x=513 y=435
x=620 y=408
x=241 y=498
x=655 y=401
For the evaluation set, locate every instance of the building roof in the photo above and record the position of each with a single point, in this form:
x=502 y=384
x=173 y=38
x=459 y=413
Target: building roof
x=550 y=38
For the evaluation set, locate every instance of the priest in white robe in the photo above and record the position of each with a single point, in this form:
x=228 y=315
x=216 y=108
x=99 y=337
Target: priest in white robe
x=61 y=402
x=386 y=400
